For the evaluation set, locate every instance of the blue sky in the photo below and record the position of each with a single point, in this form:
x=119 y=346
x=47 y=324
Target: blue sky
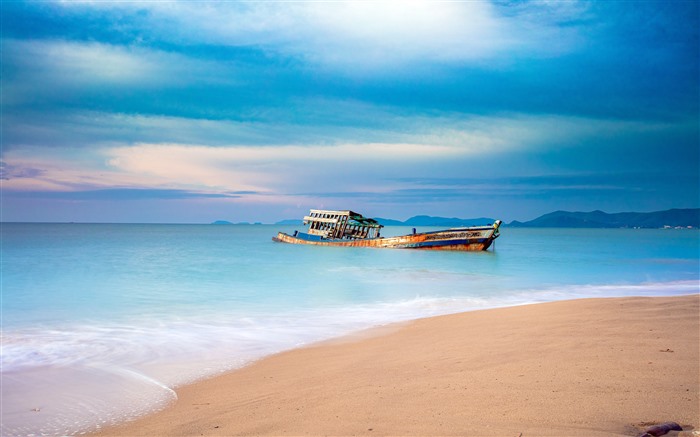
x=257 y=111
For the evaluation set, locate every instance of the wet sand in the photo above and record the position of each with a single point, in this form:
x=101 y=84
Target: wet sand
x=591 y=367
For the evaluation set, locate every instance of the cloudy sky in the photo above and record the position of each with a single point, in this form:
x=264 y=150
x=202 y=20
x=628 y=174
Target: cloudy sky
x=190 y=112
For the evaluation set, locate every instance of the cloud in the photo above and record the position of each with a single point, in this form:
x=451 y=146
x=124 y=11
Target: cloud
x=8 y=172
x=240 y=170
x=328 y=122
x=424 y=141
x=34 y=70
x=530 y=185
x=392 y=32
x=158 y=158
x=354 y=36
x=88 y=62
x=271 y=169
x=451 y=157
x=511 y=195
x=91 y=128
x=124 y=194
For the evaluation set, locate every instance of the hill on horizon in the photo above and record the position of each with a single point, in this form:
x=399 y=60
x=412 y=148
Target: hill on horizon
x=426 y=220
x=599 y=219
x=559 y=219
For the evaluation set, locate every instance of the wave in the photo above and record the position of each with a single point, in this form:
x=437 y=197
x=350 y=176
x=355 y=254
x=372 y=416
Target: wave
x=118 y=371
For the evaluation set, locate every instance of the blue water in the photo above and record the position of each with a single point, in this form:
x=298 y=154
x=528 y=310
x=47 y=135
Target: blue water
x=100 y=322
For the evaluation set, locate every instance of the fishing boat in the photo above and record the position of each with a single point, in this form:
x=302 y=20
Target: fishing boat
x=350 y=229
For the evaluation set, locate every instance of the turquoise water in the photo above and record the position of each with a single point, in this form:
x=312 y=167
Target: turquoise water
x=100 y=322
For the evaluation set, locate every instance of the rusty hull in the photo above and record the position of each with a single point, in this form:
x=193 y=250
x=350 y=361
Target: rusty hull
x=462 y=239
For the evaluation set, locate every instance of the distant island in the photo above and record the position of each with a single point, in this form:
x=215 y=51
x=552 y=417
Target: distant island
x=426 y=220
x=672 y=218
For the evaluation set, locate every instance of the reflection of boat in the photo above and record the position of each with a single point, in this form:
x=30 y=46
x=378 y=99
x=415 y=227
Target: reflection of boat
x=347 y=228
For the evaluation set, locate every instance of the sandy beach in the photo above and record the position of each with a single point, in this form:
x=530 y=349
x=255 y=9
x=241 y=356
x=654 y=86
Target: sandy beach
x=591 y=367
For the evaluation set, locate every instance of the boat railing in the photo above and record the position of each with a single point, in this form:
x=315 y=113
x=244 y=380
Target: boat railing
x=341 y=225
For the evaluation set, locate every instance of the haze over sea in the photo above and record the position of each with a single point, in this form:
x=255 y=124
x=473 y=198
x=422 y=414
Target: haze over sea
x=100 y=322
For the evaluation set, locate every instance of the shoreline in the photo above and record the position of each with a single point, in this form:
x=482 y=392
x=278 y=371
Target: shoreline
x=597 y=366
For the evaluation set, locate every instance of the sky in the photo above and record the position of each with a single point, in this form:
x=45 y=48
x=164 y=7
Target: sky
x=191 y=112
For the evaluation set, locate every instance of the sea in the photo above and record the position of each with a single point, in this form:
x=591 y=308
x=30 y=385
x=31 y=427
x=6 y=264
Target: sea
x=102 y=322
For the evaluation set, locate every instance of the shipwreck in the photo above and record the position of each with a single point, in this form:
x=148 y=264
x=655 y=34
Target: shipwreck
x=350 y=229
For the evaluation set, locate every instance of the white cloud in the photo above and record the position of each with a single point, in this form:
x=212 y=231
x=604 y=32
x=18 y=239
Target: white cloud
x=59 y=66
x=269 y=168
x=56 y=170
x=323 y=123
x=355 y=35
x=417 y=146
x=396 y=32
x=88 y=62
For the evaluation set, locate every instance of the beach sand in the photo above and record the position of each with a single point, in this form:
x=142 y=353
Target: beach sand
x=590 y=367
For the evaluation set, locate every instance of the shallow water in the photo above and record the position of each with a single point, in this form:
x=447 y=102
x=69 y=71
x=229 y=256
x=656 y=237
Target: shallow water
x=100 y=322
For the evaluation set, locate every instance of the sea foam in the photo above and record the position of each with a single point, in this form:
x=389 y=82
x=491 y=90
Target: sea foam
x=107 y=333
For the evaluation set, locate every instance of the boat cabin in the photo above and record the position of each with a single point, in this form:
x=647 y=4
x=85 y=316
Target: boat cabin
x=346 y=225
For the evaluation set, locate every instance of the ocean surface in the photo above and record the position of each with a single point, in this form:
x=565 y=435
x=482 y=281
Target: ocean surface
x=101 y=322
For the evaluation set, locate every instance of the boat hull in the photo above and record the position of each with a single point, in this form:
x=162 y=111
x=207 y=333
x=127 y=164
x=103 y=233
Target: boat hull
x=461 y=239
